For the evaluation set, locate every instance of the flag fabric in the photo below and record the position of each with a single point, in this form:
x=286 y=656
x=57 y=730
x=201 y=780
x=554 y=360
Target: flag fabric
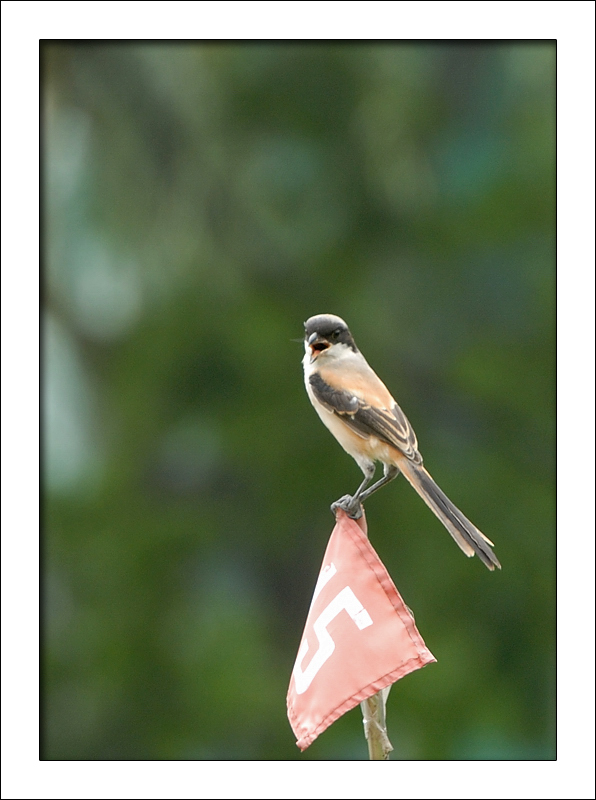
x=359 y=635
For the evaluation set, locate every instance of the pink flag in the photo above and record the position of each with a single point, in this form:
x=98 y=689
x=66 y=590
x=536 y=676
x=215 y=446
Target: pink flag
x=359 y=636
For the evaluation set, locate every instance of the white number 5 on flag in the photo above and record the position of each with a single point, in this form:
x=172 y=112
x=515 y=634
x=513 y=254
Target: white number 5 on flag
x=344 y=600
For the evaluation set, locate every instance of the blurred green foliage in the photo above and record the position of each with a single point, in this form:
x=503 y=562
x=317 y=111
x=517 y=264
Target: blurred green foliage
x=200 y=202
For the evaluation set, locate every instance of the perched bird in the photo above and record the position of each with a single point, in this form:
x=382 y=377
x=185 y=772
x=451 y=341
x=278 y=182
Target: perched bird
x=360 y=412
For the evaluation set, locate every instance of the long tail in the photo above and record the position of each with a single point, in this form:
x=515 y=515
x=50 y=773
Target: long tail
x=467 y=535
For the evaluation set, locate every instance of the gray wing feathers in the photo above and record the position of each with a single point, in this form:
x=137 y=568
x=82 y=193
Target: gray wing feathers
x=390 y=426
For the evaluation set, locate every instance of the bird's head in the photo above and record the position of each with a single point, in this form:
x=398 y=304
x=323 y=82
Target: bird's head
x=325 y=334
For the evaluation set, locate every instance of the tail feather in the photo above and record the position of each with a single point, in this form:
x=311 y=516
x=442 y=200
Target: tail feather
x=467 y=535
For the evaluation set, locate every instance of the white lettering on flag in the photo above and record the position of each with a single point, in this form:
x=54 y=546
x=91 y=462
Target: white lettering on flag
x=344 y=600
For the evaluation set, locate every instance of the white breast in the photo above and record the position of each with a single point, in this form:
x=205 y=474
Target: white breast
x=365 y=450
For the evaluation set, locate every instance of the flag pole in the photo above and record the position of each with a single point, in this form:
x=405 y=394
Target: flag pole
x=375 y=722
x=375 y=726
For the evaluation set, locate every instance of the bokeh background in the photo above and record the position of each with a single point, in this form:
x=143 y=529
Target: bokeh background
x=200 y=201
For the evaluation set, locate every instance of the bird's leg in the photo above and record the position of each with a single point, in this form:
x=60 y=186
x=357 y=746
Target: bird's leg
x=390 y=472
x=352 y=504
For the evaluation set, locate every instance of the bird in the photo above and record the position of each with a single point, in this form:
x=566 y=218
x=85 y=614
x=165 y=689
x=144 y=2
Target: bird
x=358 y=409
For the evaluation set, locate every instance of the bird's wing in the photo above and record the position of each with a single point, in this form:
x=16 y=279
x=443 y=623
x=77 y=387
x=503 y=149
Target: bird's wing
x=390 y=425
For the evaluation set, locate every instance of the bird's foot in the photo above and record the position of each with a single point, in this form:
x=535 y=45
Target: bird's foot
x=350 y=505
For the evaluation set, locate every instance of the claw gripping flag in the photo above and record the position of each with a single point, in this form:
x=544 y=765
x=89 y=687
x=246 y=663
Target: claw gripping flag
x=359 y=636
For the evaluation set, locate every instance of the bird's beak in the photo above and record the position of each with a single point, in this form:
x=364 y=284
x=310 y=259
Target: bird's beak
x=317 y=344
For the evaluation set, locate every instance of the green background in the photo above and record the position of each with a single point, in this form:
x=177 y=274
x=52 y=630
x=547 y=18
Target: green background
x=200 y=201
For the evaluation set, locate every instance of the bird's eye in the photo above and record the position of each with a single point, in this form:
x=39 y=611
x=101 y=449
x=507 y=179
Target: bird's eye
x=335 y=334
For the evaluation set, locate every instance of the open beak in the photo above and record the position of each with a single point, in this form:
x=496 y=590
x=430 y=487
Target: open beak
x=317 y=344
